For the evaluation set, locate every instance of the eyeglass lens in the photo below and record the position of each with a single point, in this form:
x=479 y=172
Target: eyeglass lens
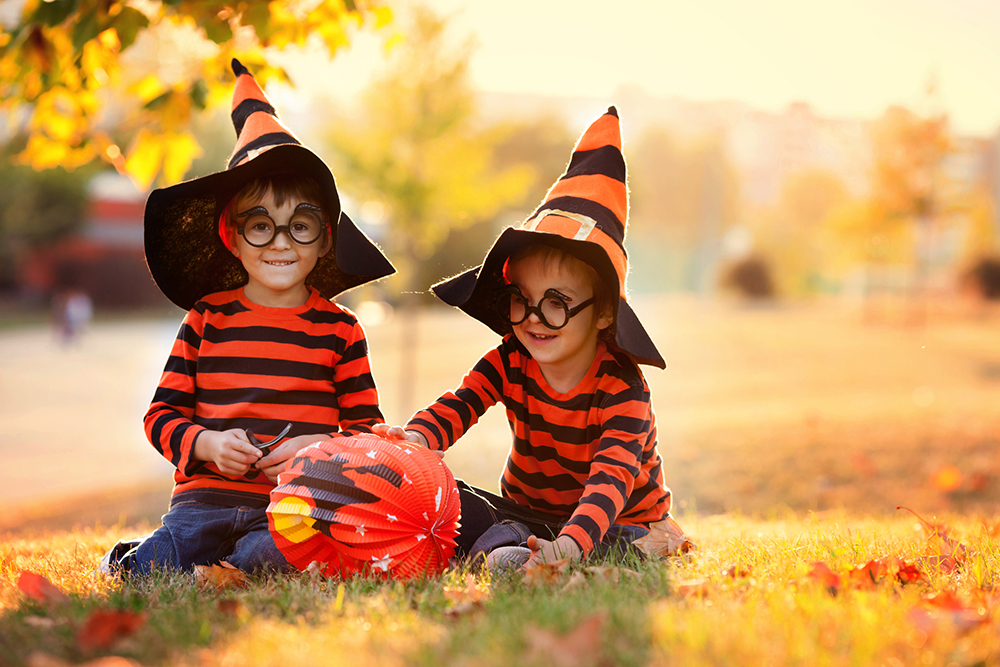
x=552 y=311
x=305 y=227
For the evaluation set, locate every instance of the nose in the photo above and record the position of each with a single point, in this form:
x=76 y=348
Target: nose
x=282 y=238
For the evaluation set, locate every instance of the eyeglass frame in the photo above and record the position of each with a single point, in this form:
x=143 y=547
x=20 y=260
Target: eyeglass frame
x=514 y=290
x=279 y=228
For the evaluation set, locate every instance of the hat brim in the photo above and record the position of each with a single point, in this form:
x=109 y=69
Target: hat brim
x=189 y=261
x=476 y=291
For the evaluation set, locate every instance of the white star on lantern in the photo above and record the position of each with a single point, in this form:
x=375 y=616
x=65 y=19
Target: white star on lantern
x=370 y=454
x=360 y=529
x=390 y=517
x=382 y=563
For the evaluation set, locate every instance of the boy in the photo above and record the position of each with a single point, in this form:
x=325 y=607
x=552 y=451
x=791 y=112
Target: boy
x=583 y=474
x=255 y=253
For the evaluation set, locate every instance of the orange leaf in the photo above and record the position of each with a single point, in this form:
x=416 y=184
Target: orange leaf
x=823 y=575
x=693 y=588
x=37 y=587
x=665 y=538
x=104 y=628
x=231 y=607
x=472 y=592
x=546 y=573
x=580 y=647
x=943 y=548
x=867 y=576
x=220 y=577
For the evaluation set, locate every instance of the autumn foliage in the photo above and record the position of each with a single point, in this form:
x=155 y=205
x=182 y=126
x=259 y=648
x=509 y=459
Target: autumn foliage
x=120 y=82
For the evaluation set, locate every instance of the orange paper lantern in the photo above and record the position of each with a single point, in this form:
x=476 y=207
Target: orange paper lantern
x=366 y=504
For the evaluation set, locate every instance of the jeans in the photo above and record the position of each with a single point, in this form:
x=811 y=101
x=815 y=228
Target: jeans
x=490 y=521
x=197 y=533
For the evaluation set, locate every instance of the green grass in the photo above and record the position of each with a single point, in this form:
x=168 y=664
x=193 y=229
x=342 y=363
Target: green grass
x=772 y=612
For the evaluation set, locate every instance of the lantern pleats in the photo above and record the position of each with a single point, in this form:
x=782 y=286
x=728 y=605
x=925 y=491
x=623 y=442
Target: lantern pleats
x=364 y=504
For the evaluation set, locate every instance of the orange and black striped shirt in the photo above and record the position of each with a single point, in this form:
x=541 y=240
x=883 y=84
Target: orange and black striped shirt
x=236 y=364
x=588 y=455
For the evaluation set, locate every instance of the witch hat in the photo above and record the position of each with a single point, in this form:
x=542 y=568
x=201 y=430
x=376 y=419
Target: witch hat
x=186 y=254
x=584 y=214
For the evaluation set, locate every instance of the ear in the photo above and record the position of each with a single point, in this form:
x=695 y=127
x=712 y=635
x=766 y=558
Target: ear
x=605 y=319
x=327 y=245
x=234 y=246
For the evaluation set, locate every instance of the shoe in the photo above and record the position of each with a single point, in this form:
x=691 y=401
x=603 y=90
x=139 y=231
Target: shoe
x=113 y=563
x=505 y=559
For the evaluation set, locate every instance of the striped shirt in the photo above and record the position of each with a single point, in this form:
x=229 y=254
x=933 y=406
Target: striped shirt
x=236 y=364
x=588 y=455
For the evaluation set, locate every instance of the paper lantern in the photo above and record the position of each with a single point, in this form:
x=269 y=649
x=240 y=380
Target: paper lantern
x=366 y=504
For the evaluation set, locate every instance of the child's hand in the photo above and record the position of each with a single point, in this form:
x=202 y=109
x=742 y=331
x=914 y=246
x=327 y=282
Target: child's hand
x=399 y=433
x=390 y=432
x=544 y=551
x=275 y=463
x=230 y=451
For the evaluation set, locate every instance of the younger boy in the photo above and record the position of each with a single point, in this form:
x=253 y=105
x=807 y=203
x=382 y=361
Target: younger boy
x=583 y=473
x=255 y=252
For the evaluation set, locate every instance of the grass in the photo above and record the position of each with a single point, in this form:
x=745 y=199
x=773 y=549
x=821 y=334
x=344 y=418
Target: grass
x=680 y=611
x=789 y=433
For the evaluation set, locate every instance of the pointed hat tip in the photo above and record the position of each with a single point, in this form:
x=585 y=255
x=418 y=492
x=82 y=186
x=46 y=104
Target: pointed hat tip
x=238 y=68
x=613 y=111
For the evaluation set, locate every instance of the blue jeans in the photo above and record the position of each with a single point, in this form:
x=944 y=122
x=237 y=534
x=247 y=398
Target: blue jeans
x=490 y=521
x=197 y=533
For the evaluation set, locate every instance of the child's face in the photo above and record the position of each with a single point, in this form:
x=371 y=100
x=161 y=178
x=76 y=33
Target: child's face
x=564 y=355
x=277 y=272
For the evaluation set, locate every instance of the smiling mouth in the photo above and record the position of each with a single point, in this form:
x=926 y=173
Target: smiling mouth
x=540 y=337
x=279 y=263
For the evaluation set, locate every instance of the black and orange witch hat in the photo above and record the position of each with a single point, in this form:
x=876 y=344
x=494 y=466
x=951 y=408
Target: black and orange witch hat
x=584 y=214
x=184 y=251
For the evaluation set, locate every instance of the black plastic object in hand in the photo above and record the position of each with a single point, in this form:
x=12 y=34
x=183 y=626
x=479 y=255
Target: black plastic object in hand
x=265 y=447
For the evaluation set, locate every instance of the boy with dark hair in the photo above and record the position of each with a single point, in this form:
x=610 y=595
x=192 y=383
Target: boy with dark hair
x=583 y=475
x=255 y=253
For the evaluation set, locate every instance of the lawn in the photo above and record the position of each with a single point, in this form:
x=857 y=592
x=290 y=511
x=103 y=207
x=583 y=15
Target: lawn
x=754 y=592
x=790 y=434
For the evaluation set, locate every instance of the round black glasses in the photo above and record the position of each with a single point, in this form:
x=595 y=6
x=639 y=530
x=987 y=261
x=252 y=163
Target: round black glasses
x=259 y=228
x=553 y=310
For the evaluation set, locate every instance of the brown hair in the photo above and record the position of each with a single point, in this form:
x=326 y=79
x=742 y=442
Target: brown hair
x=283 y=186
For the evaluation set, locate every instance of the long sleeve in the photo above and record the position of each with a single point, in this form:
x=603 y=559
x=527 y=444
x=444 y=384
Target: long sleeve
x=615 y=467
x=454 y=413
x=354 y=385
x=169 y=421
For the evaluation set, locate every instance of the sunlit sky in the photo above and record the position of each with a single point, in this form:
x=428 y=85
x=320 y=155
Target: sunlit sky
x=846 y=58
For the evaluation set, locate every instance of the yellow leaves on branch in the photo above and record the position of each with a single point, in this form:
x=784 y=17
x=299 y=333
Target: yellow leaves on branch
x=80 y=52
x=170 y=152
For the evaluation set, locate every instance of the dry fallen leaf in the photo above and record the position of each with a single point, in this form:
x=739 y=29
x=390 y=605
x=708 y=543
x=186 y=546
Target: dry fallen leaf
x=946 y=609
x=665 y=538
x=219 y=577
x=546 y=573
x=580 y=647
x=823 y=575
x=104 y=628
x=41 y=659
x=945 y=553
x=692 y=588
x=231 y=607
x=469 y=596
x=37 y=587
